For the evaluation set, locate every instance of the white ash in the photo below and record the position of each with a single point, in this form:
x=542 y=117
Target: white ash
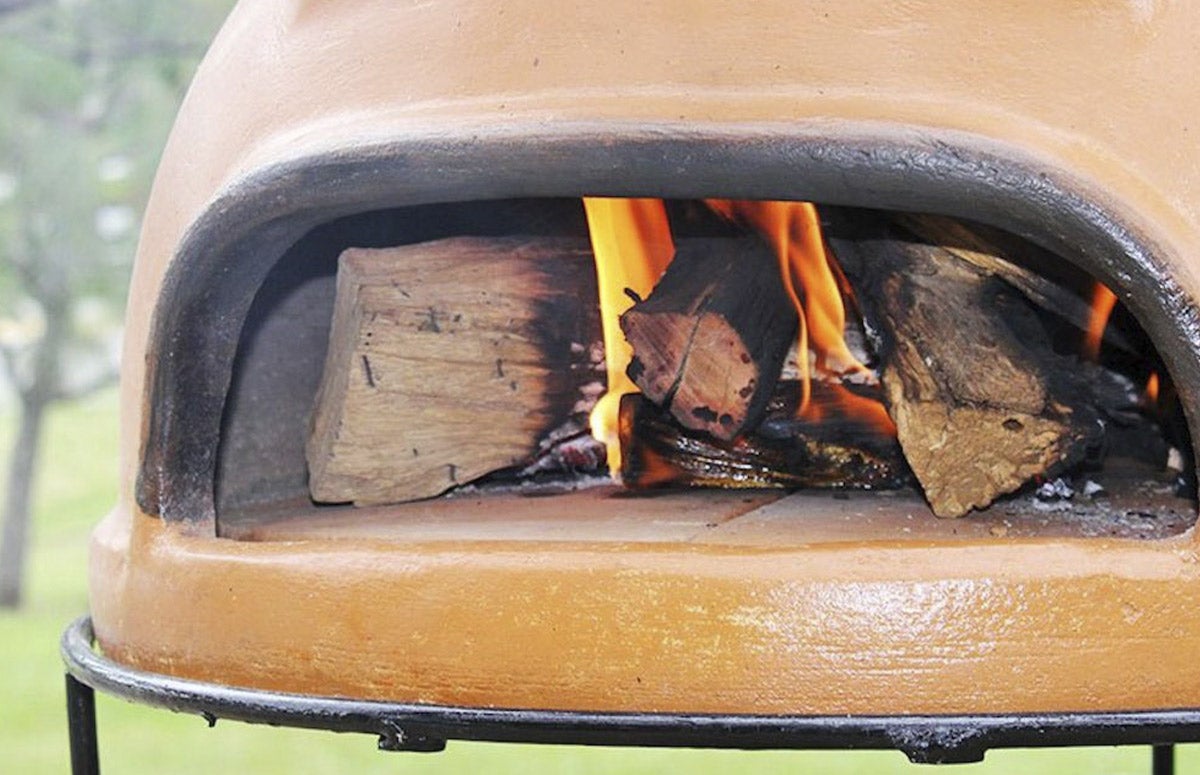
x=531 y=487
x=589 y=394
x=569 y=448
x=868 y=377
x=1130 y=507
x=1057 y=489
x=1055 y=506
x=573 y=427
x=1132 y=393
x=596 y=356
x=856 y=342
x=791 y=364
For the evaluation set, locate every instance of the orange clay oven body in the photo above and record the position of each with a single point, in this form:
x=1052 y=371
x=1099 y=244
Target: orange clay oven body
x=874 y=624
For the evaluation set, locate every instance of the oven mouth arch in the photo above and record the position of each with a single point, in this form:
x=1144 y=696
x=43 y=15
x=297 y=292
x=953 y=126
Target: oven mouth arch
x=226 y=253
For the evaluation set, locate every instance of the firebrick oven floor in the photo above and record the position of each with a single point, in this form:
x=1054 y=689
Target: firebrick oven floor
x=1144 y=508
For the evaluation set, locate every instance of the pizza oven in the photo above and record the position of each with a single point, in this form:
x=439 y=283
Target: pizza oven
x=430 y=431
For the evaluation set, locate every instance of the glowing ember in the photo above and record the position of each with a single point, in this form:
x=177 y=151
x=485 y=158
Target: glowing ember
x=632 y=242
x=1103 y=301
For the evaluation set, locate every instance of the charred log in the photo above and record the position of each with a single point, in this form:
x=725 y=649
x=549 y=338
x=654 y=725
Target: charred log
x=710 y=340
x=981 y=402
x=838 y=451
x=995 y=252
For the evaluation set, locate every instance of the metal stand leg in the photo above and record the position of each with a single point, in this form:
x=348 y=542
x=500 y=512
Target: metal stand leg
x=1163 y=760
x=81 y=726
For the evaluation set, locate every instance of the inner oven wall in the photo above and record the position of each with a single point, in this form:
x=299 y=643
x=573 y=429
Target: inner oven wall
x=261 y=468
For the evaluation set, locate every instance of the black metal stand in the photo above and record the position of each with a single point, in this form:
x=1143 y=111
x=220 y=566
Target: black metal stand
x=408 y=727
x=1163 y=760
x=81 y=721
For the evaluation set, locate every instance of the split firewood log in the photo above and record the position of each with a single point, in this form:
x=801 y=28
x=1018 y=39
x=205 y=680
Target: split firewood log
x=981 y=403
x=710 y=340
x=449 y=360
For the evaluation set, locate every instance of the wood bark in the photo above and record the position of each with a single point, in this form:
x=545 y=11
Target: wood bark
x=996 y=253
x=449 y=360
x=981 y=403
x=711 y=338
x=834 y=452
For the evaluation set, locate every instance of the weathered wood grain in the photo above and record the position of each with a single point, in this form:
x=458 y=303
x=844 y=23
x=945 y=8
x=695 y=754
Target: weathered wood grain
x=981 y=403
x=449 y=360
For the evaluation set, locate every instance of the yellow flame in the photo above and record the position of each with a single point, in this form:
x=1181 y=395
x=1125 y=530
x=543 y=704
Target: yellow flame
x=793 y=230
x=631 y=239
x=632 y=242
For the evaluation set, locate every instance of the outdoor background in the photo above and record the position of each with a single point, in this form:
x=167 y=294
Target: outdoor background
x=87 y=92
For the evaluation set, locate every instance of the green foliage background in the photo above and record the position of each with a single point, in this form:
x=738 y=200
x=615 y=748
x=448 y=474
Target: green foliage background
x=88 y=90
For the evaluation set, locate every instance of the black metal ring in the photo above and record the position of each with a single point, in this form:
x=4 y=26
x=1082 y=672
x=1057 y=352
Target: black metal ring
x=412 y=727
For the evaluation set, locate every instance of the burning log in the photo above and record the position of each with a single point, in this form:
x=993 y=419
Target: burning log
x=449 y=360
x=981 y=403
x=986 y=249
x=838 y=451
x=711 y=338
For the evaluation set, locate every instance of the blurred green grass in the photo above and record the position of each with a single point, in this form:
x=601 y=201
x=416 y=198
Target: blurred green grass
x=77 y=485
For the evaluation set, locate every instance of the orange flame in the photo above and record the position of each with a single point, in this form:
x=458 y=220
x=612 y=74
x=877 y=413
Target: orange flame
x=869 y=411
x=1103 y=301
x=793 y=229
x=632 y=242
x=1151 y=391
x=773 y=220
x=631 y=239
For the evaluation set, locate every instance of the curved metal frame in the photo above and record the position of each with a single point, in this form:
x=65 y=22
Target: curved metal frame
x=410 y=727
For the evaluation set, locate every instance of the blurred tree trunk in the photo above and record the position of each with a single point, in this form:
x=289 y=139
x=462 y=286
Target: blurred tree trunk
x=17 y=502
x=45 y=388
x=42 y=387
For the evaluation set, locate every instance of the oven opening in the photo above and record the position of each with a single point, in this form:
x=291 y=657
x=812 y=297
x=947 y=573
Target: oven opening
x=712 y=370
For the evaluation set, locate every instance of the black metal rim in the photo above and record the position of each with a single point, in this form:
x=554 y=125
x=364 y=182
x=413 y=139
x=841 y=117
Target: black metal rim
x=412 y=727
